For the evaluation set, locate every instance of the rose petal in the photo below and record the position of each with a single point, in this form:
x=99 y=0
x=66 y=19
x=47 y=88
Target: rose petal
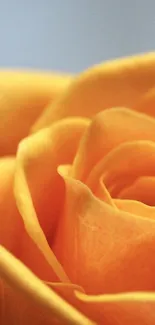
x=102 y=193
x=123 y=165
x=23 y=96
x=135 y=207
x=39 y=190
x=116 y=83
x=146 y=103
x=12 y=232
x=39 y=156
x=103 y=249
x=120 y=309
x=142 y=189
x=107 y=130
x=30 y=300
x=10 y=222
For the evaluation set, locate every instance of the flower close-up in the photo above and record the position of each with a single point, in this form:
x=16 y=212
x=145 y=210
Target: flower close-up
x=77 y=204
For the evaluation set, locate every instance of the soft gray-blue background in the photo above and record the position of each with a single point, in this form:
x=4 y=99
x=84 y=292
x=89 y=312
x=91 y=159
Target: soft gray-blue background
x=70 y=35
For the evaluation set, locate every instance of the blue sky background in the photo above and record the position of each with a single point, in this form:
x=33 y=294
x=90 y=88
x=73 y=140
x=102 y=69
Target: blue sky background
x=71 y=35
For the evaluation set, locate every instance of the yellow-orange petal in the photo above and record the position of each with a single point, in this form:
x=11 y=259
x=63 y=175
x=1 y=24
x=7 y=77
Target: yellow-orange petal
x=146 y=103
x=104 y=250
x=23 y=97
x=12 y=233
x=123 y=165
x=142 y=189
x=39 y=190
x=28 y=299
x=136 y=308
x=39 y=156
x=101 y=191
x=135 y=207
x=22 y=304
x=119 y=82
x=10 y=222
x=107 y=130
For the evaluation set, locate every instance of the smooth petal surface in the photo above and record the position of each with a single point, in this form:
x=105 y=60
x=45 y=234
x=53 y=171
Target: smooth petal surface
x=123 y=165
x=116 y=83
x=142 y=189
x=28 y=299
x=109 y=129
x=135 y=207
x=136 y=308
x=10 y=221
x=39 y=190
x=23 y=97
x=25 y=299
x=146 y=103
x=102 y=193
x=105 y=250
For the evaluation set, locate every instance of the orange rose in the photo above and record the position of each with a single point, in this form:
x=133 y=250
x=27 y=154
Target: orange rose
x=77 y=201
x=23 y=96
